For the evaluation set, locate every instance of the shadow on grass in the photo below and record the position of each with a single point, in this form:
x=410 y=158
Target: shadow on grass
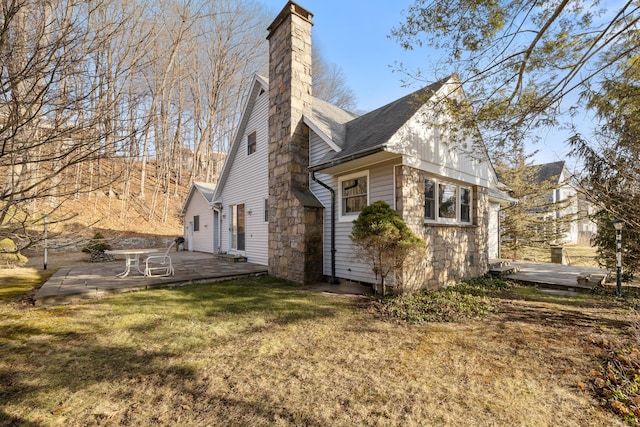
x=9 y=421
x=562 y=316
x=73 y=353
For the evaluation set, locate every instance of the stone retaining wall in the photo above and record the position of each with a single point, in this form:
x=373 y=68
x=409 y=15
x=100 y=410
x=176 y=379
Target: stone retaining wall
x=73 y=245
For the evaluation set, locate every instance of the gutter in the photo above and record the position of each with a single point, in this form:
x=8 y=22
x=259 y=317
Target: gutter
x=334 y=281
x=346 y=159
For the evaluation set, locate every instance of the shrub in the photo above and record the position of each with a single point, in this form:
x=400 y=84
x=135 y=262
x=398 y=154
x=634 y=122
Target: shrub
x=384 y=241
x=9 y=253
x=97 y=244
x=466 y=300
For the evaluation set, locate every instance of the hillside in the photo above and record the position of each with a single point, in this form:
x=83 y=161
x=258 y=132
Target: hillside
x=109 y=211
x=115 y=217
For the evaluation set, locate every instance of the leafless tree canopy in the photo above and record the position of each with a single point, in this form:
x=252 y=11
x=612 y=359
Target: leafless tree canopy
x=130 y=99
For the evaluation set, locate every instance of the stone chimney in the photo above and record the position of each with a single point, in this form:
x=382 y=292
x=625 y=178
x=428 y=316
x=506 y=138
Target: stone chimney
x=295 y=215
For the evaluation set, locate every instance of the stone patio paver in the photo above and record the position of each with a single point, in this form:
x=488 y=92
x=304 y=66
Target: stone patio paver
x=93 y=280
x=554 y=275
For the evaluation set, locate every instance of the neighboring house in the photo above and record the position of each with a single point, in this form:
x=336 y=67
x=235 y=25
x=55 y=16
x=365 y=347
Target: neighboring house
x=580 y=228
x=300 y=170
x=498 y=197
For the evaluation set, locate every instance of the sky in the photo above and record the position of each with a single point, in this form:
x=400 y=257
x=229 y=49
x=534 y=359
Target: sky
x=353 y=34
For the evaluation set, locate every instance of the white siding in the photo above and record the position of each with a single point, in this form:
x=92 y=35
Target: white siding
x=203 y=238
x=426 y=147
x=348 y=264
x=247 y=184
x=318 y=149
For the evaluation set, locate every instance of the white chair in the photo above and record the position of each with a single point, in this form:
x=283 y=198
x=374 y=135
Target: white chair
x=159 y=262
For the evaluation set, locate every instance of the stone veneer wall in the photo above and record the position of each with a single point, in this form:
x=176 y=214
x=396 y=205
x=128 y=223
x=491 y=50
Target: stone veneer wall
x=295 y=230
x=454 y=252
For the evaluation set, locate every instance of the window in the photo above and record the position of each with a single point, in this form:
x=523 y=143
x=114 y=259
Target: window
x=196 y=223
x=465 y=204
x=266 y=210
x=429 y=199
x=354 y=194
x=447 y=202
x=251 y=143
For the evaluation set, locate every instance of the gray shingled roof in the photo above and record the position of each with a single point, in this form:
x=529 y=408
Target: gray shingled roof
x=373 y=130
x=549 y=171
x=206 y=189
x=378 y=126
x=330 y=119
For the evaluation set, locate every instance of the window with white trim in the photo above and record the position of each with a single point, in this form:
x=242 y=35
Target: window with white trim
x=446 y=202
x=354 y=194
x=429 y=199
x=465 y=204
x=251 y=143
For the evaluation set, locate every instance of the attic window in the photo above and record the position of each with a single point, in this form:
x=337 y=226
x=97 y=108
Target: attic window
x=261 y=91
x=251 y=143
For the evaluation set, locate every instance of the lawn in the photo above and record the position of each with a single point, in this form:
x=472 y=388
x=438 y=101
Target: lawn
x=263 y=352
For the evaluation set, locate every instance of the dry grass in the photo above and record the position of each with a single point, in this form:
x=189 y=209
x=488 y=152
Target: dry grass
x=263 y=352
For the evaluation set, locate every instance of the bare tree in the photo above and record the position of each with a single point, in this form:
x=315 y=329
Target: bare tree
x=131 y=99
x=329 y=83
x=521 y=61
x=42 y=91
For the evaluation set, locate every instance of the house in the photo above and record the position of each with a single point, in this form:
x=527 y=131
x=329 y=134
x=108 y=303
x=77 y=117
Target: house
x=573 y=205
x=199 y=227
x=299 y=171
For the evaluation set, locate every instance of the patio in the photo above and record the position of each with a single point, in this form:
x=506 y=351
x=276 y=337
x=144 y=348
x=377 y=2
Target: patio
x=557 y=276
x=93 y=280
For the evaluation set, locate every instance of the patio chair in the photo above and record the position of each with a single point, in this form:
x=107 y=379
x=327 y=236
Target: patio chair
x=159 y=263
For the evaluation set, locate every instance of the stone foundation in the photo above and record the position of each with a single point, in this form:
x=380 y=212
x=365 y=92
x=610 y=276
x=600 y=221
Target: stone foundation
x=74 y=245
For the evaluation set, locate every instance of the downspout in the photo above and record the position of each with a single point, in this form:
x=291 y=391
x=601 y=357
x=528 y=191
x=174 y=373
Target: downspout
x=334 y=281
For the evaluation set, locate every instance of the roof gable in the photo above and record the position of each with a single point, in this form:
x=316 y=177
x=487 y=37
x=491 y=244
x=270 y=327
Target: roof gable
x=372 y=132
x=376 y=128
x=329 y=122
x=259 y=86
x=205 y=189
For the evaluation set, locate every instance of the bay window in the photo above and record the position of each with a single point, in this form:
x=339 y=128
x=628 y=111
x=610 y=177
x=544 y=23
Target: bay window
x=446 y=202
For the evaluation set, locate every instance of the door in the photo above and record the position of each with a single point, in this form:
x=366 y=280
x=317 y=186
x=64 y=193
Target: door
x=190 y=234
x=237 y=228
